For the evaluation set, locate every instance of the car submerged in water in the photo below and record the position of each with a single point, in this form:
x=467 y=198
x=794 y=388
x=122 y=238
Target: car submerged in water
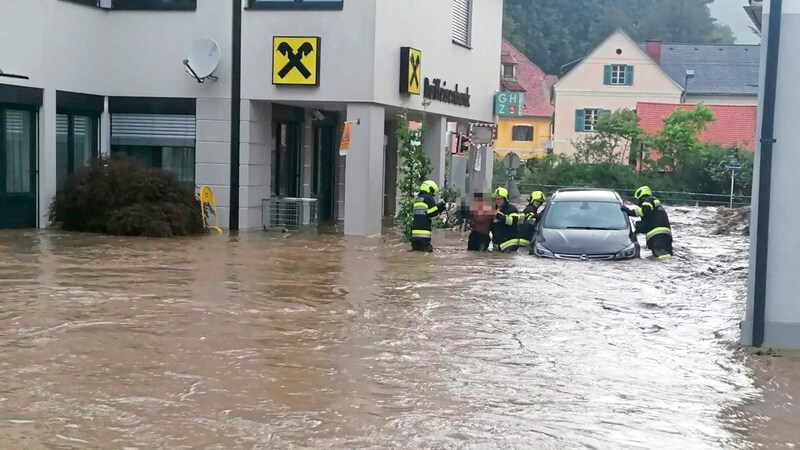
x=585 y=224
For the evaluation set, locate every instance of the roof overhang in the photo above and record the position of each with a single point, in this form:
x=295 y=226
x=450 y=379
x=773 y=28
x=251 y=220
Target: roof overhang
x=754 y=10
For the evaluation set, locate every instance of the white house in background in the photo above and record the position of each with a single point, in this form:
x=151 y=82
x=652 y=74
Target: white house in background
x=617 y=74
x=80 y=78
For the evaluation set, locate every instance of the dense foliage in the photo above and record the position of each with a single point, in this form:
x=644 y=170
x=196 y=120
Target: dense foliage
x=414 y=166
x=555 y=32
x=118 y=196
x=609 y=158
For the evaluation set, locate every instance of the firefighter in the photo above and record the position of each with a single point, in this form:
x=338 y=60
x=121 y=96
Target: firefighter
x=654 y=223
x=529 y=217
x=425 y=210
x=505 y=233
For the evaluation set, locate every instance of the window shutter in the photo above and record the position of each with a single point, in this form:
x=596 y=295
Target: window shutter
x=153 y=130
x=461 y=19
x=580 y=119
x=629 y=75
x=607 y=75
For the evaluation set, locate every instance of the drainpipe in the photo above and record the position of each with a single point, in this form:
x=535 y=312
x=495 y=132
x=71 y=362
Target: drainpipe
x=767 y=140
x=236 y=100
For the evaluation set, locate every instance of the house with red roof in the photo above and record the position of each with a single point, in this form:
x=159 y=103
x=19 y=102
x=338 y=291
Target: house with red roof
x=526 y=131
x=734 y=125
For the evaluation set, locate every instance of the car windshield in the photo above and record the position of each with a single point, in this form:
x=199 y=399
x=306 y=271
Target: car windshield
x=585 y=216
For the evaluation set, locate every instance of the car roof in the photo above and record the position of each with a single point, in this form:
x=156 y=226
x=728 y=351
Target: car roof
x=585 y=195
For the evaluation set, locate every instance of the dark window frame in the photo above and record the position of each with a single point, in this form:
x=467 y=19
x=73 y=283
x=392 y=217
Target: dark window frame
x=141 y=5
x=295 y=5
x=526 y=127
x=71 y=113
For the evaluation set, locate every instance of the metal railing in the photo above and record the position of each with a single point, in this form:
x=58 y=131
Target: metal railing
x=669 y=197
x=288 y=213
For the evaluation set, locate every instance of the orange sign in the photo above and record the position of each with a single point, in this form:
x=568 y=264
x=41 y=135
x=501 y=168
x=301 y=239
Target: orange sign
x=345 y=144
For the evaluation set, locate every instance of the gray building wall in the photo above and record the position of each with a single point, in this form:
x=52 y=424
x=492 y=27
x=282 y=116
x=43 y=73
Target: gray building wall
x=782 y=315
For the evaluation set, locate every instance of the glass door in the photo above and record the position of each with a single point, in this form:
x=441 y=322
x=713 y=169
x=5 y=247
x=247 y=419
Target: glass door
x=17 y=168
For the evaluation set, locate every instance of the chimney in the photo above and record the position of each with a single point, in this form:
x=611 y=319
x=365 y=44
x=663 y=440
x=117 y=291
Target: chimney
x=653 y=50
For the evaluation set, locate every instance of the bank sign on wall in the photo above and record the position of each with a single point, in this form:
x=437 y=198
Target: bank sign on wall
x=508 y=104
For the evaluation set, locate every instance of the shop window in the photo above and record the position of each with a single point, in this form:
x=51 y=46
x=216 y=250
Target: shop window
x=296 y=4
x=178 y=160
x=522 y=133
x=77 y=144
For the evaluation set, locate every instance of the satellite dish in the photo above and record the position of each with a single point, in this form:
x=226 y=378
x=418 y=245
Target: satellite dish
x=203 y=60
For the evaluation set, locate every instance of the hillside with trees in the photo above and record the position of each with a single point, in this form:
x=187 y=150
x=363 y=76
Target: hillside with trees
x=555 y=32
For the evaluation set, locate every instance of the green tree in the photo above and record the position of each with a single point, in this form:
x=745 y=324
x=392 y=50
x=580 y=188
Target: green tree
x=414 y=168
x=553 y=33
x=612 y=139
x=677 y=142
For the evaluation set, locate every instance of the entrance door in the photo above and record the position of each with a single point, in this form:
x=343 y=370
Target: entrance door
x=286 y=173
x=17 y=168
x=324 y=170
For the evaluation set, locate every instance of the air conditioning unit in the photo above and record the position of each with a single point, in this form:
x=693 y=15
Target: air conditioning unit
x=288 y=213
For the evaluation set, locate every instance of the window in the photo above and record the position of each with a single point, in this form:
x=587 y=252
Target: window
x=618 y=75
x=177 y=5
x=586 y=119
x=297 y=4
x=585 y=215
x=462 y=21
x=522 y=133
x=133 y=5
x=510 y=71
x=76 y=144
x=178 y=160
x=18 y=146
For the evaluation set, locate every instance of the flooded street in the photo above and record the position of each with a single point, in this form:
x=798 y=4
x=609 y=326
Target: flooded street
x=276 y=341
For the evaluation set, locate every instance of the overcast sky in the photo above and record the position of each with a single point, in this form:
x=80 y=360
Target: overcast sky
x=730 y=13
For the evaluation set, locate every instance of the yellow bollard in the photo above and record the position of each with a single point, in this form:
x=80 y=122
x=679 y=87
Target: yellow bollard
x=207 y=198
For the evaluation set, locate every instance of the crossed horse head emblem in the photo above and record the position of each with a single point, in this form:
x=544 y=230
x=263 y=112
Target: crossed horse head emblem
x=295 y=59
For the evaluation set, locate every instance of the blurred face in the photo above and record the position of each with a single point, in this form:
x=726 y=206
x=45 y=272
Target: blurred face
x=499 y=201
x=537 y=203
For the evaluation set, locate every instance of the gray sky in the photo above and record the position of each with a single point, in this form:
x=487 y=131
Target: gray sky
x=730 y=13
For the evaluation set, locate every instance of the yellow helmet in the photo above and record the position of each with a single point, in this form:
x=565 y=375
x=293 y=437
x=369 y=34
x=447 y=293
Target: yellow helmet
x=429 y=186
x=641 y=192
x=537 y=196
x=501 y=193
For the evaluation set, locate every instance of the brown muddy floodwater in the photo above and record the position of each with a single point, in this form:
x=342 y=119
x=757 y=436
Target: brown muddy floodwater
x=278 y=341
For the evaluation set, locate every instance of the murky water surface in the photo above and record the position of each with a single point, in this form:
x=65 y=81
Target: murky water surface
x=277 y=341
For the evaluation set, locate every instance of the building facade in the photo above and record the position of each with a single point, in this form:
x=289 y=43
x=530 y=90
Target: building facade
x=93 y=77
x=527 y=131
x=617 y=74
x=620 y=73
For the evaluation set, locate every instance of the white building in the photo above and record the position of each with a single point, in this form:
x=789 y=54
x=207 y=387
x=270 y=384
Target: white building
x=88 y=77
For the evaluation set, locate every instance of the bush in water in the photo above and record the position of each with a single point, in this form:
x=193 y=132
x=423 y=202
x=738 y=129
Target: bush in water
x=118 y=196
x=414 y=168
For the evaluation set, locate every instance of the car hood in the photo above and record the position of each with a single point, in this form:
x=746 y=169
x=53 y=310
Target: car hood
x=588 y=242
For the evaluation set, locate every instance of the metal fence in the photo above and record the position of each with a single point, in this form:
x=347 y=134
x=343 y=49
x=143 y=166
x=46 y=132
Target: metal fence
x=669 y=197
x=288 y=213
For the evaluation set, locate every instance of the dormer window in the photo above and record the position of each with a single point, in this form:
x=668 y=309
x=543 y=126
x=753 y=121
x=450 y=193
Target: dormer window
x=510 y=71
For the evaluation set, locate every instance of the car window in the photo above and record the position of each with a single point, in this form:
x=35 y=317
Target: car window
x=583 y=215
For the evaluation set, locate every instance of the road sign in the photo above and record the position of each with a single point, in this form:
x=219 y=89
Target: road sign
x=511 y=161
x=733 y=167
x=295 y=60
x=508 y=104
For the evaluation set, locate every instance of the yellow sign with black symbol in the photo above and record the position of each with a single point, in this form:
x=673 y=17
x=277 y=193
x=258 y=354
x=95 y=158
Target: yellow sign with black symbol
x=295 y=60
x=410 y=71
